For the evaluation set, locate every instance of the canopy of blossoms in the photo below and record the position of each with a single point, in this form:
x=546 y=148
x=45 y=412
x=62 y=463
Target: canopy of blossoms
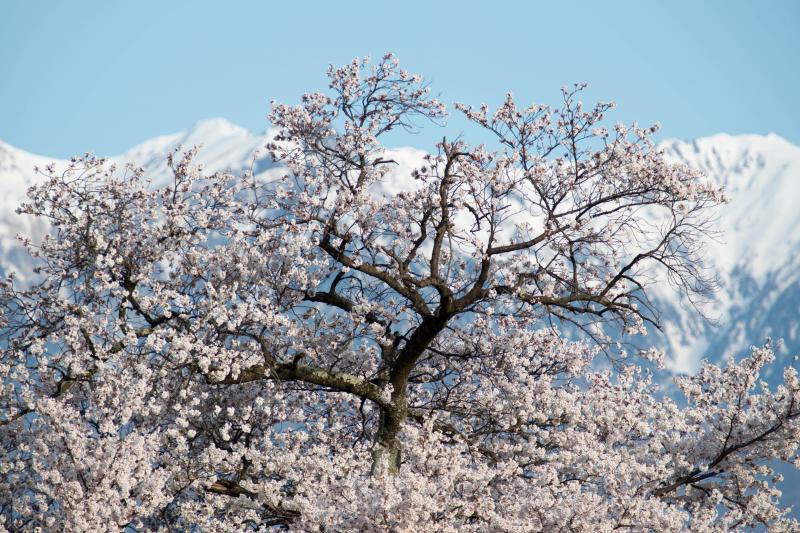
x=309 y=352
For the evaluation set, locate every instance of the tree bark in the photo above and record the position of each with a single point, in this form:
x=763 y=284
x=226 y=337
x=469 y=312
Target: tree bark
x=387 y=453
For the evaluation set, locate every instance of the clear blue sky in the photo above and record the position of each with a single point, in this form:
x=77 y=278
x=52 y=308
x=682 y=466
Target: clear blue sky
x=105 y=75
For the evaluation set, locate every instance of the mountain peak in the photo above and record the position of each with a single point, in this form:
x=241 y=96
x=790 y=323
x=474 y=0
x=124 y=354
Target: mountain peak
x=215 y=127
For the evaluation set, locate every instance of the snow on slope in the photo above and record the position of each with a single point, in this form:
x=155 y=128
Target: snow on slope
x=16 y=175
x=761 y=175
x=225 y=147
x=757 y=257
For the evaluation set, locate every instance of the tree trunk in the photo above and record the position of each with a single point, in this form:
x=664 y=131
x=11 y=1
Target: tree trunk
x=387 y=453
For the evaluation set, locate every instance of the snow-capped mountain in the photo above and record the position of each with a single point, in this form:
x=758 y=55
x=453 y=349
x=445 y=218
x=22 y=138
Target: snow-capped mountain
x=223 y=147
x=757 y=256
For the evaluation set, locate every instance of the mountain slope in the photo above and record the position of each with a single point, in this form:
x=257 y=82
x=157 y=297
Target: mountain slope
x=757 y=255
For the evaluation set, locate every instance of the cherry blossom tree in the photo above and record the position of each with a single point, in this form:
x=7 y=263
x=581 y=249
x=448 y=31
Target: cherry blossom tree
x=312 y=352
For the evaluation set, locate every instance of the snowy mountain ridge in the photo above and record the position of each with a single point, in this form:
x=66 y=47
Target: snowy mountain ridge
x=757 y=257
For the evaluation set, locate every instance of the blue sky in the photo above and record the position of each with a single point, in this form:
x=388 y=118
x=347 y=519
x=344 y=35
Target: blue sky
x=105 y=75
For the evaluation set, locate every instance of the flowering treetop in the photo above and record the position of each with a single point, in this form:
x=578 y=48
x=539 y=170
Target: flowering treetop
x=232 y=352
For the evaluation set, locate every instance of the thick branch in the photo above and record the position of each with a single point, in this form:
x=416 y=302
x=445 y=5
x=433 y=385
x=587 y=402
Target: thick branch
x=339 y=381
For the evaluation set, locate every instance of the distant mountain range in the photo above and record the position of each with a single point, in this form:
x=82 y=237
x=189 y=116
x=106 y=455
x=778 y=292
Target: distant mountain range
x=757 y=256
